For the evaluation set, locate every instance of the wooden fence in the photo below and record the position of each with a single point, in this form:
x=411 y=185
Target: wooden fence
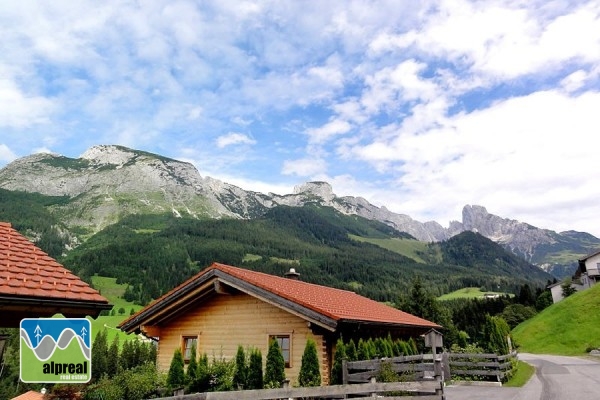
x=429 y=390
x=479 y=366
x=421 y=375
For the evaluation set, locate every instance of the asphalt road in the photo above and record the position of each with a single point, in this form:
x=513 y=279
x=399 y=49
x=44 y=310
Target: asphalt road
x=556 y=378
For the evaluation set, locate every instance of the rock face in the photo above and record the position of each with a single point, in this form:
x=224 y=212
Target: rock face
x=109 y=182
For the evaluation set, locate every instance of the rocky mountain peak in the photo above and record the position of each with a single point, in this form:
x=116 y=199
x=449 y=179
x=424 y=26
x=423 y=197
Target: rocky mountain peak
x=108 y=154
x=318 y=189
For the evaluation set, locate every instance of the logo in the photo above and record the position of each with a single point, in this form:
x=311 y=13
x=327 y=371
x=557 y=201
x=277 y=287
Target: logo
x=56 y=350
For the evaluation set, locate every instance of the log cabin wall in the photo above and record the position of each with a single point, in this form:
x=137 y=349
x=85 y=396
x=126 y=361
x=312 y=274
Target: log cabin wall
x=226 y=321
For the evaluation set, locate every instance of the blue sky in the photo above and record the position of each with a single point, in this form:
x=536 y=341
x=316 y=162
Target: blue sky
x=419 y=106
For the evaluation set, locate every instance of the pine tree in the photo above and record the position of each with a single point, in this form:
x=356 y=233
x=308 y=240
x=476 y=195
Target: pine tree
x=338 y=358
x=309 y=369
x=240 y=377
x=255 y=370
x=275 y=369
x=351 y=351
x=192 y=370
x=363 y=350
x=100 y=355
x=496 y=331
x=203 y=374
x=113 y=357
x=176 y=375
x=126 y=358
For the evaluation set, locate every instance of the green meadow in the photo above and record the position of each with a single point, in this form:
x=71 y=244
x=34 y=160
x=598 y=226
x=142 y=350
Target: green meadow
x=467 y=293
x=113 y=291
x=570 y=327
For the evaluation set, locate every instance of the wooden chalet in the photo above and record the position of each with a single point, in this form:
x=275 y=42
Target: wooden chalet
x=223 y=307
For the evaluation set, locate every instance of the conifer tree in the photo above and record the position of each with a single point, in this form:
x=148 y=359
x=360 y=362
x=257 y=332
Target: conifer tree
x=240 y=376
x=192 y=370
x=275 y=368
x=363 y=350
x=255 y=370
x=338 y=358
x=176 y=375
x=496 y=331
x=113 y=358
x=100 y=355
x=309 y=369
x=203 y=374
x=351 y=351
x=126 y=358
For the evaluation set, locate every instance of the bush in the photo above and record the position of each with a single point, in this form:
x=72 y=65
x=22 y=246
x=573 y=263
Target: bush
x=255 y=370
x=176 y=375
x=240 y=377
x=221 y=374
x=275 y=369
x=141 y=382
x=339 y=357
x=309 y=369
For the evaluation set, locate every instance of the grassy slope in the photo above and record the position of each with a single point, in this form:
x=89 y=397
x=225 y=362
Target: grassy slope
x=113 y=292
x=569 y=327
x=466 y=293
x=407 y=247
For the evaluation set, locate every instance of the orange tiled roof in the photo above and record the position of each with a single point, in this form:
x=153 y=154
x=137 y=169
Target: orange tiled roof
x=336 y=304
x=31 y=395
x=26 y=271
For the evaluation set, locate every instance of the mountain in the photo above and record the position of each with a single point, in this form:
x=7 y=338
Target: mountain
x=153 y=253
x=107 y=183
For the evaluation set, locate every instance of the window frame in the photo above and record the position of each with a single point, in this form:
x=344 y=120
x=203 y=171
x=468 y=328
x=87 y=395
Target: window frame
x=184 y=348
x=283 y=336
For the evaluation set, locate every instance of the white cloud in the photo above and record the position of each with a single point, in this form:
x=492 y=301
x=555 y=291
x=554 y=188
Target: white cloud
x=234 y=138
x=329 y=130
x=6 y=154
x=21 y=110
x=305 y=167
x=527 y=153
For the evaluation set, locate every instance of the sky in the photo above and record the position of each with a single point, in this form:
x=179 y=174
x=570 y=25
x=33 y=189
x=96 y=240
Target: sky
x=418 y=106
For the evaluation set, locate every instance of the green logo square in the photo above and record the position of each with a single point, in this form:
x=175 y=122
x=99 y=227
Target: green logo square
x=56 y=350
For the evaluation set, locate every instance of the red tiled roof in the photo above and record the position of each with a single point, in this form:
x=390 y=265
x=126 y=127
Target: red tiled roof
x=339 y=305
x=335 y=303
x=31 y=395
x=26 y=271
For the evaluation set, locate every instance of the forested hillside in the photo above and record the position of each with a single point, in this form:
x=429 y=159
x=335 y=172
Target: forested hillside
x=28 y=213
x=154 y=253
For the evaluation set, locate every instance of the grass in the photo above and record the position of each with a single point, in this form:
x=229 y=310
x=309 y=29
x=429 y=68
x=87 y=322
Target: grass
x=467 y=293
x=113 y=291
x=523 y=372
x=407 y=247
x=569 y=328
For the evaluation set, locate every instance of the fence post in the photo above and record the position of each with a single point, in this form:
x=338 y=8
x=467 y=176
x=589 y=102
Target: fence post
x=446 y=366
x=344 y=372
x=373 y=380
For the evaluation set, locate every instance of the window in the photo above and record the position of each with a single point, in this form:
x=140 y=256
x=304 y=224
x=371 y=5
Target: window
x=284 y=343
x=186 y=348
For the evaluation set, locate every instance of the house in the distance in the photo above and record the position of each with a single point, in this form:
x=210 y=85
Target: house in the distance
x=34 y=285
x=586 y=276
x=223 y=307
x=588 y=270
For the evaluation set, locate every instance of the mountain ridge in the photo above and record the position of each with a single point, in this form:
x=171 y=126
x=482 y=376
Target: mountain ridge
x=108 y=182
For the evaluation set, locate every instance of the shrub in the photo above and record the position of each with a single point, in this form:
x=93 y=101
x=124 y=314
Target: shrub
x=338 y=358
x=309 y=369
x=255 y=370
x=176 y=375
x=275 y=369
x=240 y=377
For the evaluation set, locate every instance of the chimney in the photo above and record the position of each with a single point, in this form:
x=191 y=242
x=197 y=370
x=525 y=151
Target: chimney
x=292 y=274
